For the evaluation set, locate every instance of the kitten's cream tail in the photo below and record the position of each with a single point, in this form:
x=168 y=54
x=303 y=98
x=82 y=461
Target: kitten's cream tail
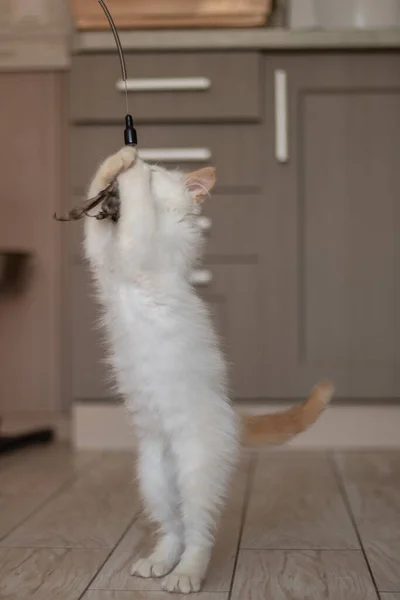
x=277 y=428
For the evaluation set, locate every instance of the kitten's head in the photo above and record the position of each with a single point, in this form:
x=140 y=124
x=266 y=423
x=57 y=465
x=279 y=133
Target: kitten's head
x=159 y=214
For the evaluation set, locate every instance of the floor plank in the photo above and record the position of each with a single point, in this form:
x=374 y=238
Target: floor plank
x=302 y=575
x=298 y=541
x=372 y=482
x=295 y=503
x=125 y=595
x=40 y=574
x=140 y=539
x=92 y=513
x=28 y=479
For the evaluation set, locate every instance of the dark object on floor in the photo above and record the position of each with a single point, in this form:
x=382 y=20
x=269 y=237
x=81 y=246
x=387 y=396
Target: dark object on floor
x=9 y=443
x=15 y=269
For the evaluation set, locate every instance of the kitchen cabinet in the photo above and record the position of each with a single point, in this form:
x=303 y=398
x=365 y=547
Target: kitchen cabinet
x=301 y=269
x=330 y=265
x=207 y=120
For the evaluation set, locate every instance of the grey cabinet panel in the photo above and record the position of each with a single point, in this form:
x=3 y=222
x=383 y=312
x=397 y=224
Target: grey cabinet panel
x=305 y=276
x=231 y=251
x=232 y=297
x=232 y=235
x=331 y=274
x=233 y=300
x=234 y=150
x=91 y=376
x=94 y=96
x=234 y=226
x=232 y=257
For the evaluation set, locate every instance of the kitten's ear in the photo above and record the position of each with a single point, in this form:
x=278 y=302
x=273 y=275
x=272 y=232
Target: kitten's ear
x=199 y=183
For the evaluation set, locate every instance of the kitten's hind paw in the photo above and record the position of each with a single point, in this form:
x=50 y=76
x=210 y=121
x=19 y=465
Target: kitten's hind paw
x=181 y=583
x=145 y=567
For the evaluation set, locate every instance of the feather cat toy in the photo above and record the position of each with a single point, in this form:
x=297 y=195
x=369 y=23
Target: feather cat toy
x=108 y=198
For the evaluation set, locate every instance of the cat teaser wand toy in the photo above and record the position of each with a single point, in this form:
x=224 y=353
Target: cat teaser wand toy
x=108 y=198
x=130 y=135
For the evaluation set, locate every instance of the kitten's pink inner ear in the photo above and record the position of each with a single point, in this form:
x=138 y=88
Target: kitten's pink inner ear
x=200 y=183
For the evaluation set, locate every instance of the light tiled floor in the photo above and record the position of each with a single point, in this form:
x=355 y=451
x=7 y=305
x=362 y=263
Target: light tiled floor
x=297 y=526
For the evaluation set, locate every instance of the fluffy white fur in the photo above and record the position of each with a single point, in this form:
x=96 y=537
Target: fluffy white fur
x=166 y=358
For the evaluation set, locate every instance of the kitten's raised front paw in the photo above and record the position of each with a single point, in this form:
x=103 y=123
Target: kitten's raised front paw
x=181 y=583
x=146 y=567
x=128 y=156
x=113 y=166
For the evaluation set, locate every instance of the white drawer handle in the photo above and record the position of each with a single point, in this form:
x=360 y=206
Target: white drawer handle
x=201 y=277
x=175 y=154
x=281 y=117
x=204 y=223
x=165 y=84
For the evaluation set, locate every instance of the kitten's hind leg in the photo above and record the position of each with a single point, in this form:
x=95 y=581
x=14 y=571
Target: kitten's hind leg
x=205 y=468
x=156 y=472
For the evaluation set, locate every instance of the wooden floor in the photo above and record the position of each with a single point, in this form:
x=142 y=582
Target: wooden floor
x=298 y=526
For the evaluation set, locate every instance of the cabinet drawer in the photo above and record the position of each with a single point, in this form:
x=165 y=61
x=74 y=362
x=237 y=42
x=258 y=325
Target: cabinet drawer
x=91 y=376
x=232 y=295
x=231 y=225
x=233 y=149
x=163 y=87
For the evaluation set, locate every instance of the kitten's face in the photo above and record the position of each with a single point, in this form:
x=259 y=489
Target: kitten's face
x=177 y=194
x=163 y=207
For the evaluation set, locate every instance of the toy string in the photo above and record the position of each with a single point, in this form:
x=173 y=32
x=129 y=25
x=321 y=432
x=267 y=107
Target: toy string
x=119 y=48
x=130 y=135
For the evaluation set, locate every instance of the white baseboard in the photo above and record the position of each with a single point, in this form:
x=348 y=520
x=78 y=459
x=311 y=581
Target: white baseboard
x=107 y=427
x=101 y=426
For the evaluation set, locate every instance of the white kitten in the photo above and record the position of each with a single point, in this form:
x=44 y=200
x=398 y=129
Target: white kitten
x=168 y=364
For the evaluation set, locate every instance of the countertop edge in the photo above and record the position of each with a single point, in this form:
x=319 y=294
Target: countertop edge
x=240 y=39
x=35 y=53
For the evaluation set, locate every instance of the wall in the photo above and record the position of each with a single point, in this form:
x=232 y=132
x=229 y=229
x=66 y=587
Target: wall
x=34 y=34
x=31 y=184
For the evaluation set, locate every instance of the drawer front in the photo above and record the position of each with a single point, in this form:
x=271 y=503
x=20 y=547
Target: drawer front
x=195 y=86
x=230 y=225
x=231 y=292
x=233 y=208
x=91 y=376
x=233 y=149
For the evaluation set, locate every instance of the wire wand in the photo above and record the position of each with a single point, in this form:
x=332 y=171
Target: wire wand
x=130 y=135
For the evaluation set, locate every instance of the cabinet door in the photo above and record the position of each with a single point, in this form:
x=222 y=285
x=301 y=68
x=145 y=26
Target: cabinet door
x=330 y=264
x=231 y=252
x=232 y=299
x=91 y=376
x=228 y=281
x=231 y=295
